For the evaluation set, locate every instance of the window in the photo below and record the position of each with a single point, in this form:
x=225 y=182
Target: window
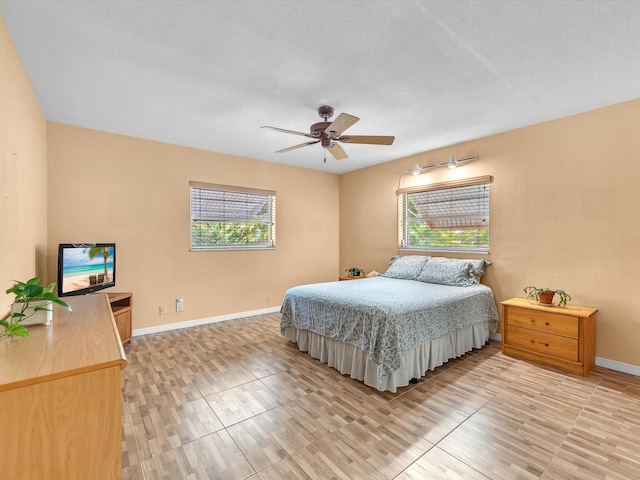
x=224 y=217
x=448 y=216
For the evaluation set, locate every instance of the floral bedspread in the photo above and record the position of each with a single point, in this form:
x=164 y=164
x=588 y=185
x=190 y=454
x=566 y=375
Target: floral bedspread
x=384 y=316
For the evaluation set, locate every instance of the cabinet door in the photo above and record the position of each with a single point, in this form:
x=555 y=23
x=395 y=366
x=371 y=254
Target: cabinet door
x=123 y=322
x=67 y=428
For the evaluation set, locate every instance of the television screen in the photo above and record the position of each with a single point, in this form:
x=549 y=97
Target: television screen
x=85 y=267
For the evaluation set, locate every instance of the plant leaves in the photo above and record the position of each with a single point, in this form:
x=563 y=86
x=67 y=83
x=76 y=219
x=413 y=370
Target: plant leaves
x=33 y=290
x=15 y=290
x=54 y=298
x=18 y=330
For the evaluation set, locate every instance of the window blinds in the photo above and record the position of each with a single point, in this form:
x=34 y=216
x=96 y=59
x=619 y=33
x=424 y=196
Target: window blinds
x=231 y=217
x=449 y=216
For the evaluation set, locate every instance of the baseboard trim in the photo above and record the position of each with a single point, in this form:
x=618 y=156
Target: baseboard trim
x=618 y=366
x=202 y=321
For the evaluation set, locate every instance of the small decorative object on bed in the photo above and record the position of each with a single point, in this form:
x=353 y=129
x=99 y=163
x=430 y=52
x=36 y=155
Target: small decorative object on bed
x=355 y=272
x=391 y=328
x=544 y=296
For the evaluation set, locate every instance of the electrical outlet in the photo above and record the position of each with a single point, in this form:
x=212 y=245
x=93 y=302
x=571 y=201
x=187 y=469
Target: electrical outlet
x=163 y=309
x=179 y=304
x=268 y=298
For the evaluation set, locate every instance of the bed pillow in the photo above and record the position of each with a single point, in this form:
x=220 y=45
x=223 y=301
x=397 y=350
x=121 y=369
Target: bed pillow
x=477 y=269
x=406 y=267
x=447 y=271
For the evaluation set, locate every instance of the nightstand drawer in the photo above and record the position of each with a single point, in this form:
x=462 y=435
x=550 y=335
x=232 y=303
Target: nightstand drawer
x=548 y=344
x=544 y=322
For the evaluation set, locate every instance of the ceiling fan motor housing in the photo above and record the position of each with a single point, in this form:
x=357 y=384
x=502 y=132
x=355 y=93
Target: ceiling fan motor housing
x=317 y=129
x=326 y=142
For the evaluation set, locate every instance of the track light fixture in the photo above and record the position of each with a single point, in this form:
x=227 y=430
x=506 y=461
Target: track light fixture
x=452 y=163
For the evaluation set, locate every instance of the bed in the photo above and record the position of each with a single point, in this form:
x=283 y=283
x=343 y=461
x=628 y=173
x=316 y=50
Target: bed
x=388 y=330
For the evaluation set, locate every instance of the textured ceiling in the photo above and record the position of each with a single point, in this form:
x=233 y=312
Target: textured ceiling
x=209 y=74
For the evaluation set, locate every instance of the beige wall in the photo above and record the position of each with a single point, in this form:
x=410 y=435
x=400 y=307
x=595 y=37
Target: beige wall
x=23 y=174
x=112 y=188
x=565 y=214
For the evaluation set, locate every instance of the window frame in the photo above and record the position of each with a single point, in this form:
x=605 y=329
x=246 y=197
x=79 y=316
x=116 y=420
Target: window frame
x=271 y=200
x=450 y=185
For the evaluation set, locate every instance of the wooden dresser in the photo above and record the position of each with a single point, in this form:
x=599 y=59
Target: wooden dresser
x=60 y=393
x=562 y=337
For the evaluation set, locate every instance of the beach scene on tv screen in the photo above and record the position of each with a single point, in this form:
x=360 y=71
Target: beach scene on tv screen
x=85 y=267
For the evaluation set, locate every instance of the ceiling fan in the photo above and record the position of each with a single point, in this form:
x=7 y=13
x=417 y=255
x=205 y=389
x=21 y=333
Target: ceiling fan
x=328 y=133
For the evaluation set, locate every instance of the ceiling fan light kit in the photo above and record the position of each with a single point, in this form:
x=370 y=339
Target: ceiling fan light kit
x=327 y=133
x=453 y=162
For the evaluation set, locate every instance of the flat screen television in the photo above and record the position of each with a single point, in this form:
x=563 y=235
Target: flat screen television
x=85 y=267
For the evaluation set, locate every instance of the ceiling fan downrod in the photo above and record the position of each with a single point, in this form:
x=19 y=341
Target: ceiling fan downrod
x=325 y=112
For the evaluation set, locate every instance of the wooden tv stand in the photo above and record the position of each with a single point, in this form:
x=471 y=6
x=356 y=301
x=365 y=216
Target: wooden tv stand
x=60 y=391
x=121 y=306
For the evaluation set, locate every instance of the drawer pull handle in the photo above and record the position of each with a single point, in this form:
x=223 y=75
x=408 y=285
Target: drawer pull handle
x=545 y=344
x=546 y=323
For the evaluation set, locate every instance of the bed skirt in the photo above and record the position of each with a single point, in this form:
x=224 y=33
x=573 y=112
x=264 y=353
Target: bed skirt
x=353 y=361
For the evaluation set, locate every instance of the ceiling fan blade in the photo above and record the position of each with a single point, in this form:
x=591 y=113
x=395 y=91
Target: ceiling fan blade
x=296 y=146
x=341 y=123
x=337 y=152
x=367 y=139
x=288 y=131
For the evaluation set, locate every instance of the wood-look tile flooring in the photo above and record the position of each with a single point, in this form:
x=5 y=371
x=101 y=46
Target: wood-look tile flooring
x=235 y=400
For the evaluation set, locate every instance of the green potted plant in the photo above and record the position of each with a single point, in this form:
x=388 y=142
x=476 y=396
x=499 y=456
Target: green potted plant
x=544 y=296
x=33 y=304
x=355 y=272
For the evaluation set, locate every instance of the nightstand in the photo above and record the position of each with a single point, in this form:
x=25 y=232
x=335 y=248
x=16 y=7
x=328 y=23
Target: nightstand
x=346 y=277
x=562 y=337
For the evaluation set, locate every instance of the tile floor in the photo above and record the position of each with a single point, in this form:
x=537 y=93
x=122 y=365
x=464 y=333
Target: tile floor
x=235 y=400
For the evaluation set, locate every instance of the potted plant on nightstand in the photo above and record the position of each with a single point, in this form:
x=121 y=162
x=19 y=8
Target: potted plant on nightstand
x=33 y=304
x=544 y=296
